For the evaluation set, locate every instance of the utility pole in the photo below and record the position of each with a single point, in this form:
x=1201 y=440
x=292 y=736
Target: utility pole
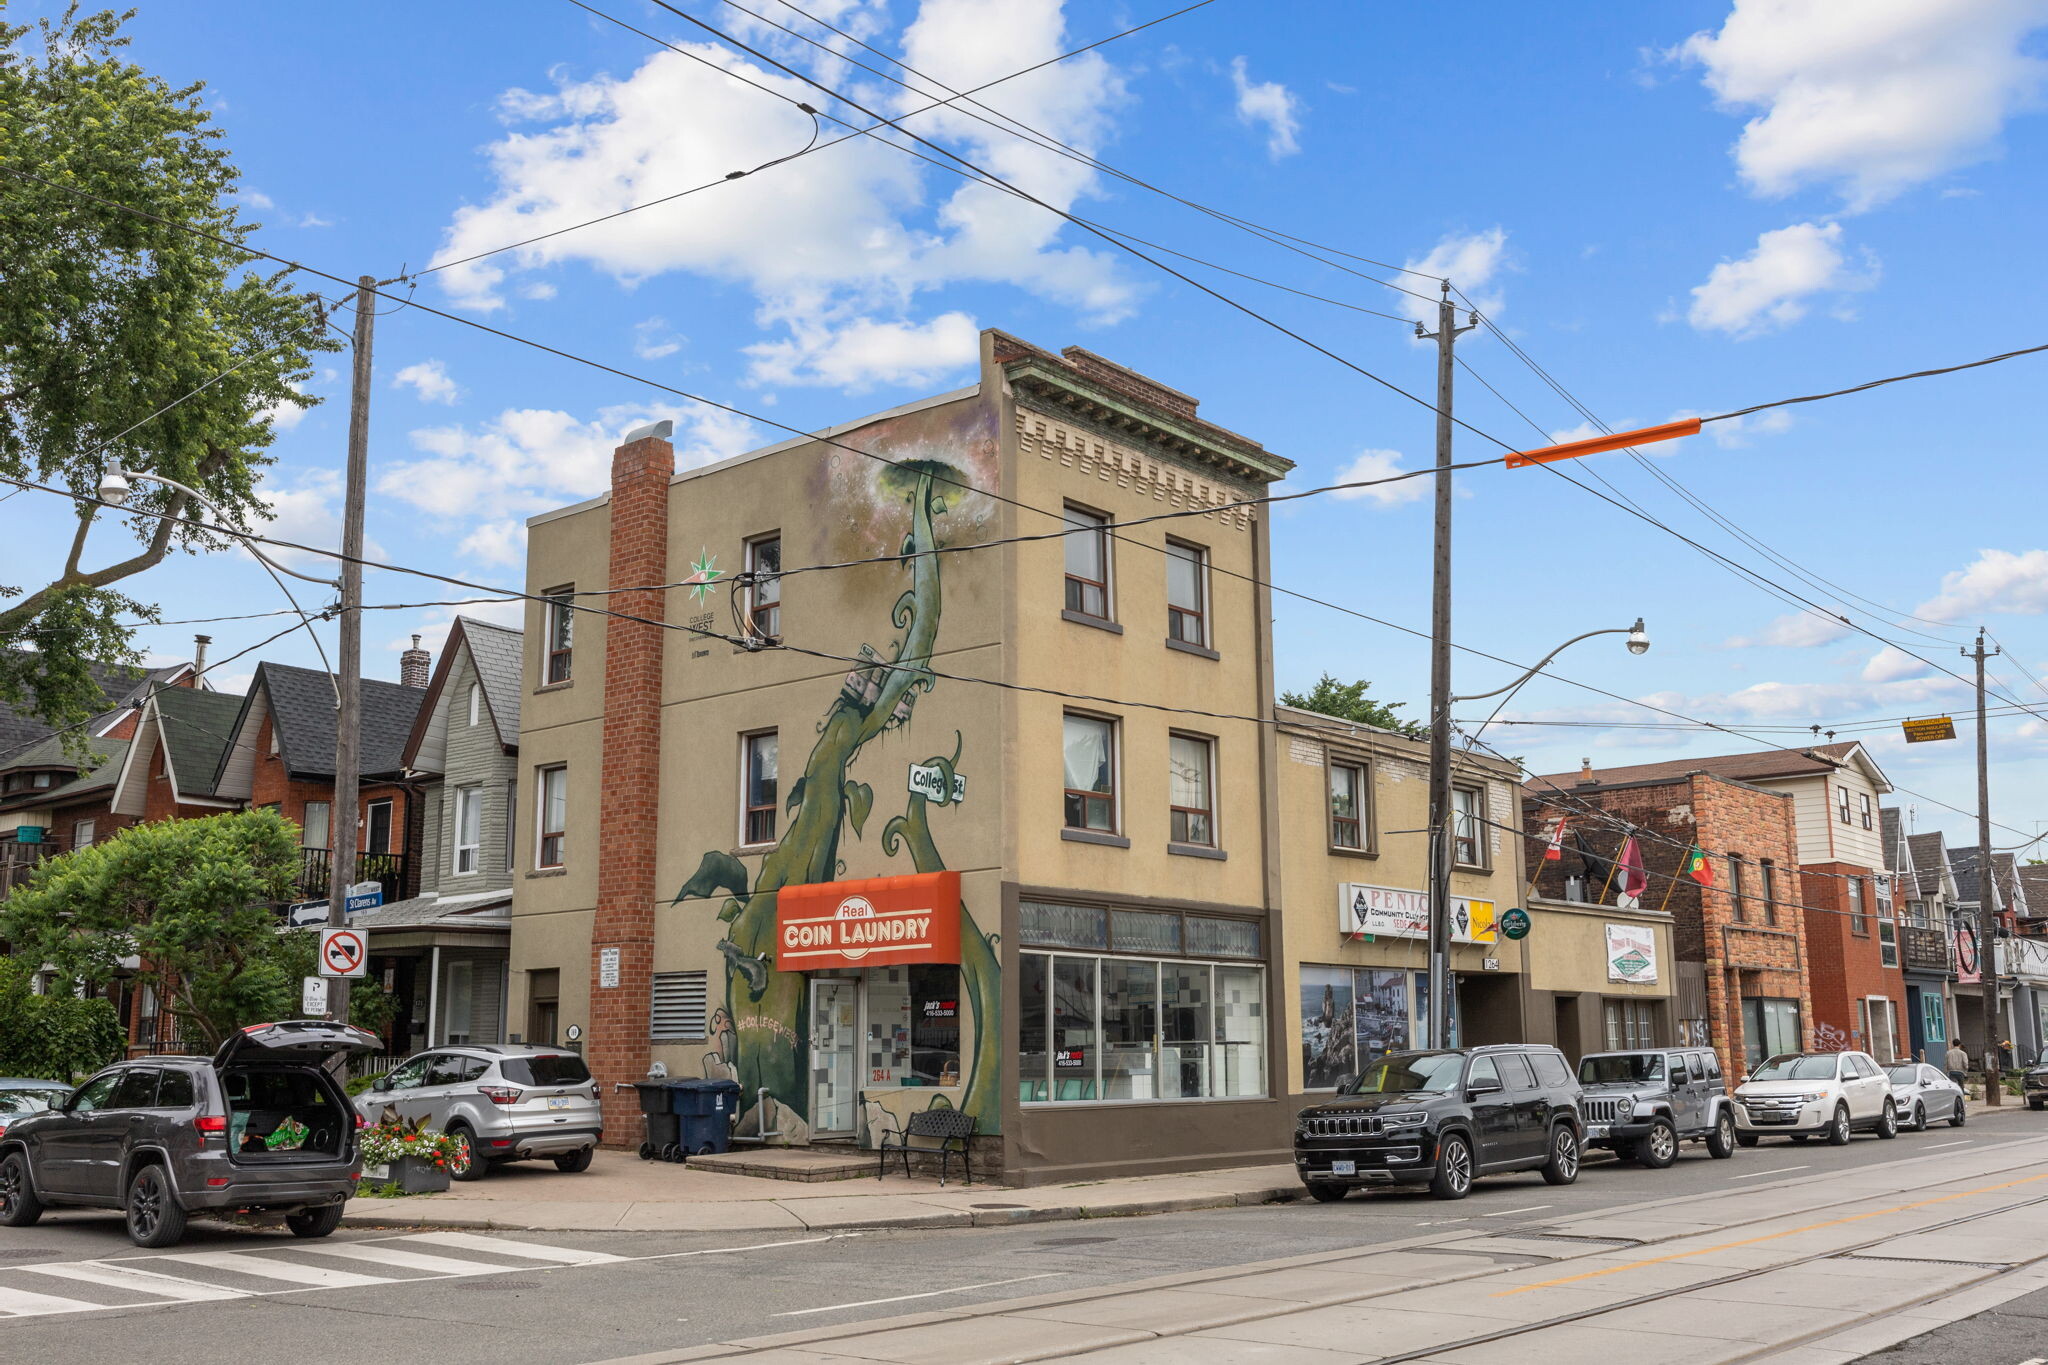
x=348 y=720
x=1987 y=885
x=1440 y=840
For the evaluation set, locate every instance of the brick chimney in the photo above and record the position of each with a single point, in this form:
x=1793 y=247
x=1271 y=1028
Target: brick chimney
x=415 y=666
x=629 y=780
x=1586 y=777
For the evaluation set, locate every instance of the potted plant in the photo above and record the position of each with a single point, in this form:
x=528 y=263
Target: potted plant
x=408 y=1153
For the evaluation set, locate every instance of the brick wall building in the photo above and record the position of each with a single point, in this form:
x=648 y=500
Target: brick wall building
x=1859 y=992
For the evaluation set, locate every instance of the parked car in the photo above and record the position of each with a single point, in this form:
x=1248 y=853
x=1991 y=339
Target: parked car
x=1641 y=1105
x=1921 y=1094
x=1801 y=1095
x=1443 y=1118
x=2034 y=1085
x=499 y=1103
x=261 y=1126
x=43 y=1094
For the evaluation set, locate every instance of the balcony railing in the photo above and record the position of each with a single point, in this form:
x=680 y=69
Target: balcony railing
x=392 y=871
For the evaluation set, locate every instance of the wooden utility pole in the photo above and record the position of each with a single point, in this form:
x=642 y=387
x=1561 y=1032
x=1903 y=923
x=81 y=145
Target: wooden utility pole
x=348 y=720
x=1987 y=886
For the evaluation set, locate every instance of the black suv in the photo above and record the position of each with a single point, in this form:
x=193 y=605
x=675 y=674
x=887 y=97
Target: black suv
x=260 y=1127
x=1641 y=1105
x=1444 y=1118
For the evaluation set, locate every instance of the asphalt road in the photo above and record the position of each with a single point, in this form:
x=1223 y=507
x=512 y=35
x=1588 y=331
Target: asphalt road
x=2014 y=1333
x=518 y=1297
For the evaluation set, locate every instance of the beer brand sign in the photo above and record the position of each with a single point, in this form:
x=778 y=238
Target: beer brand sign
x=878 y=921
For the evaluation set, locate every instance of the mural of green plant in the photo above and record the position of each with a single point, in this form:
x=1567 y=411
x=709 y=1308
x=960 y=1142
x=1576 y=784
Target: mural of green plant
x=765 y=1026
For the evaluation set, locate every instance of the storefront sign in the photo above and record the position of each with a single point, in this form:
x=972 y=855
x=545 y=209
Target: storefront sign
x=929 y=781
x=1969 y=968
x=1395 y=913
x=607 y=968
x=880 y=921
x=1632 y=954
x=1070 y=1059
x=1515 y=923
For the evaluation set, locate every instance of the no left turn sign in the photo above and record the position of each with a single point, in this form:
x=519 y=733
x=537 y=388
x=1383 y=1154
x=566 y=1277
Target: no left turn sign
x=343 y=953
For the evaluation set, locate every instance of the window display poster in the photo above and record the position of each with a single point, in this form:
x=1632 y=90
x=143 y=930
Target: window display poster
x=1382 y=1012
x=1329 y=1046
x=1632 y=954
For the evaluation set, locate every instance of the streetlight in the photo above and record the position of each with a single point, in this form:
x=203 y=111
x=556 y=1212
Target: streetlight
x=1440 y=842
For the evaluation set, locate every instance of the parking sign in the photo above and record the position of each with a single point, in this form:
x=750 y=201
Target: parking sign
x=343 y=952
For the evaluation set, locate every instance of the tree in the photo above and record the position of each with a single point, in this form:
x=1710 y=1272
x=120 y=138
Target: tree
x=193 y=902
x=1348 y=701
x=55 y=1037
x=107 y=317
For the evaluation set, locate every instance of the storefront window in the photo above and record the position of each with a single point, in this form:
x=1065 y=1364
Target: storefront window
x=1328 y=1039
x=1138 y=1030
x=1769 y=1028
x=1130 y=1021
x=914 y=1025
x=1352 y=1015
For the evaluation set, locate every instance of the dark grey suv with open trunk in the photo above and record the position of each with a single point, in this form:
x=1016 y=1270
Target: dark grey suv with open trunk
x=262 y=1126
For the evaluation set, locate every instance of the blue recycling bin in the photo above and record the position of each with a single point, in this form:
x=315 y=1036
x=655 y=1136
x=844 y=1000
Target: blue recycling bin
x=704 y=1113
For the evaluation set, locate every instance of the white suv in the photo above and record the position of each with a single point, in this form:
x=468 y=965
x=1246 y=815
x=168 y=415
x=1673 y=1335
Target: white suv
x=1815 y=1094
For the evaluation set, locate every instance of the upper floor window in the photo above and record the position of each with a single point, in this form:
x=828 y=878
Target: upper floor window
x=1087 y=563
x=377 y=827
x=1863 y=801
x=1887 y=929
x=1859 y=922
x=317 y=826
x=82 y=834
x=758 y=760
x=1089 y=744
x=1347 y=805
x=1737 y=898
x=476 y=703
x=1187 y=593
x=1767 y=877
x=1191 y=790
x=469 y=828
x=764 y=593
x=1468 y=812
x=552 y=801
x=1842 y=804
x=559 y=633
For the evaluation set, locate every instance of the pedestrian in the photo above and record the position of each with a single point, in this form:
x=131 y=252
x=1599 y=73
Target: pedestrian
x=1958 y=1062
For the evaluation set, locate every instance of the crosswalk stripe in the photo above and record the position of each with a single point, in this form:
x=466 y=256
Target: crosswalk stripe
x=22 y=1303
x=272 y=1268
x=382 y=1253
x=469 y=1241
x=137 y=1280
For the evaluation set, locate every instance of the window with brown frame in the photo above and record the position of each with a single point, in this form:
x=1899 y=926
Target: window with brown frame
x=758 y=787
x=1468 y=811
x=1737 y=900
x=553 y=802
x=560 y=634
x=1767 y=876
x=1087 y=563
x=1089 y=753
x=764 y=591
x=1191 y=790
x=1842 y=804
x=1863 y=799
x=1347 y=805
x=1187 y=593
x=1859 y=922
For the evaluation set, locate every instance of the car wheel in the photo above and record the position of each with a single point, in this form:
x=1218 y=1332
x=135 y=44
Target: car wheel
x=154 y=1218
x=1563 y=1166
x=314 y=1222
x=1325 y=1193
x=1838 y=1130
x=465 y=1164
x=1453 y=1178
x=1721 y=1142
x=1658 y=1148
x=1745 y=1139
x=1919 y=1117
x=1888 y=1121
x=1955 y=1120
x=2037 y=1104
x=19 y=1207
x=575 y=1161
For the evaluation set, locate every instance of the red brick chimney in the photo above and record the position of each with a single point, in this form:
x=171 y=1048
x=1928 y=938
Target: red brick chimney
x=628 y=797
x=415 y=666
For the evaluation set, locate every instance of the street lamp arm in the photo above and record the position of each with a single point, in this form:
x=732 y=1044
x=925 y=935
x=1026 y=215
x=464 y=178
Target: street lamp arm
x=1635 y=629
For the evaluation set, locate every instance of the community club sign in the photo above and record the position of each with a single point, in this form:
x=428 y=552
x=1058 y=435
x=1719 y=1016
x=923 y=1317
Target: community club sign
x=879 y=921
x=1391 y=912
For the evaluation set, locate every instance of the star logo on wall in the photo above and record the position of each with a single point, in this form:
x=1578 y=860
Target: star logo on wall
x=704 y=572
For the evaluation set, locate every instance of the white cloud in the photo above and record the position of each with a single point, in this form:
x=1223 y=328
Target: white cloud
x=1798 y=630
x=1891 y=664
x=864 y=352
x=283 y=416
x=256 y=199
x=314 y=220
x=1873 y=97
x=1996 y=581
x=429 y=381
x=308 y=513
x=653 y=340
x=1269 y=105
x=1733 y=433
x=1469 y=261
x=497 y=543
x=537 y=289
x=1770 y=287
x=433 y=627
x=1380 y=464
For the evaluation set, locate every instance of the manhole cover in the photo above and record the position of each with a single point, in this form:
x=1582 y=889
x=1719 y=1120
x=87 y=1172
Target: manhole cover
x=998 y=1206
x=1075 y=1241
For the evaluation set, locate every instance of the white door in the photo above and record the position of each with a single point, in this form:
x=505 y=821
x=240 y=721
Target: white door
x=835 y=1057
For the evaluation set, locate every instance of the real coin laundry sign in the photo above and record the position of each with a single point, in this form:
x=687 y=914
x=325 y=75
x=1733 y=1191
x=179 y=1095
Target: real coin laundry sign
x=1397 y=913
x=875 y=922
x=1632 y=954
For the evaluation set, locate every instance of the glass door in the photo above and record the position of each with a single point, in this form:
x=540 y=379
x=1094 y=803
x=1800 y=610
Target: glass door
x=835 y=1056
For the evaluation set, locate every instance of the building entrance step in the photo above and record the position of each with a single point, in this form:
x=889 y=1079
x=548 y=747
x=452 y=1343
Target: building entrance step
x=790 y=1163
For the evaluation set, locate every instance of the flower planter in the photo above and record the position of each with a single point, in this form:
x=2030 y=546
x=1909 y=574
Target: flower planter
x=413 y=1174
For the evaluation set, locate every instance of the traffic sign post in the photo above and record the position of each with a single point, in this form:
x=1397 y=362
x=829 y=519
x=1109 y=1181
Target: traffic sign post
x=344 y=953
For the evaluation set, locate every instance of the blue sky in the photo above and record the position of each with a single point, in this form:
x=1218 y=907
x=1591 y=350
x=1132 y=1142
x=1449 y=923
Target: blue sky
x=1674 y=209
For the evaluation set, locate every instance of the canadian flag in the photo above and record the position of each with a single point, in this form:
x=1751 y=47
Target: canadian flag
x=1555 y=849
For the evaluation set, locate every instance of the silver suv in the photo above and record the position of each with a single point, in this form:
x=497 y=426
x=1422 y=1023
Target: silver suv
x=498 y=1104
x=1641 y=1105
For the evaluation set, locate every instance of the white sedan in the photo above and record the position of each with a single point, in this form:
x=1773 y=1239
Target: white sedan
x=1922 y=1094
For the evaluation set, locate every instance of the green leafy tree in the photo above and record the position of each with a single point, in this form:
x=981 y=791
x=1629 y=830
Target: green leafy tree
x=107 y=317
x=193 y=901
x=1348 y=701
x=56 y=1037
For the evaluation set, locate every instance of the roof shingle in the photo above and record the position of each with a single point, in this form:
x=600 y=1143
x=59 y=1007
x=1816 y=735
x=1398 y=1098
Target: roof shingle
x=1824 y=758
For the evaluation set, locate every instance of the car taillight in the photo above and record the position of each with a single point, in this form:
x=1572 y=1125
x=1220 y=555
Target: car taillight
x=361 y=1123
x=500 y=1094
x=211 y=1123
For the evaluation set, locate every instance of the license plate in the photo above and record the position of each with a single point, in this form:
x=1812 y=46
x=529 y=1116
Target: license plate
x=1594 y=1130
x=558 y=1101
x=1343 y=1168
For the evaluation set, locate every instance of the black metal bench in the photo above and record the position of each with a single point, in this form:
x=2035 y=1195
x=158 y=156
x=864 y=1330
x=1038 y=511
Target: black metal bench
x=945 y=1132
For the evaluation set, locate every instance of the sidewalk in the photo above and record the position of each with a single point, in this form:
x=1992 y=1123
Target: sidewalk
x=620 y=1192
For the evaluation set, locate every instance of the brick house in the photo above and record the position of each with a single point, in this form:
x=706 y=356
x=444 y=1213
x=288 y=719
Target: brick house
x=1740 y=944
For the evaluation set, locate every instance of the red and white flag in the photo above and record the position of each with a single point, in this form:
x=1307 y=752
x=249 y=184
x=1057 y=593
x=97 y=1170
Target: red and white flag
x=1555 y=849
x=1633 y=881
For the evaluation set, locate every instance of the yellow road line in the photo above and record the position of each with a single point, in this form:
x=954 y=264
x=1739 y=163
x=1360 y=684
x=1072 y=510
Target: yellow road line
x=1767 y=1237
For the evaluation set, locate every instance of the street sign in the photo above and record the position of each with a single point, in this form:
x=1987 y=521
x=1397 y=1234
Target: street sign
x=1921 y=731
x=607 y=968
x=313 y=996
x=343 y=952
x=1515 y=923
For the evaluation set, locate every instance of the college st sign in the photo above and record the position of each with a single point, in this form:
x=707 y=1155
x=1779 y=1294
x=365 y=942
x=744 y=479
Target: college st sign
x=1394 y=913
x=875 y=922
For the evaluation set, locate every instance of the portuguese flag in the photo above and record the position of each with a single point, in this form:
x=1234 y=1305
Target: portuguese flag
x=1698 y=868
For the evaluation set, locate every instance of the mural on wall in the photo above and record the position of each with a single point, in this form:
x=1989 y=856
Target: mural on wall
x=922 y=495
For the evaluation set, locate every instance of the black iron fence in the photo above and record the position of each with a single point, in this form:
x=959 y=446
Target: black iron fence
x=391 y=871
